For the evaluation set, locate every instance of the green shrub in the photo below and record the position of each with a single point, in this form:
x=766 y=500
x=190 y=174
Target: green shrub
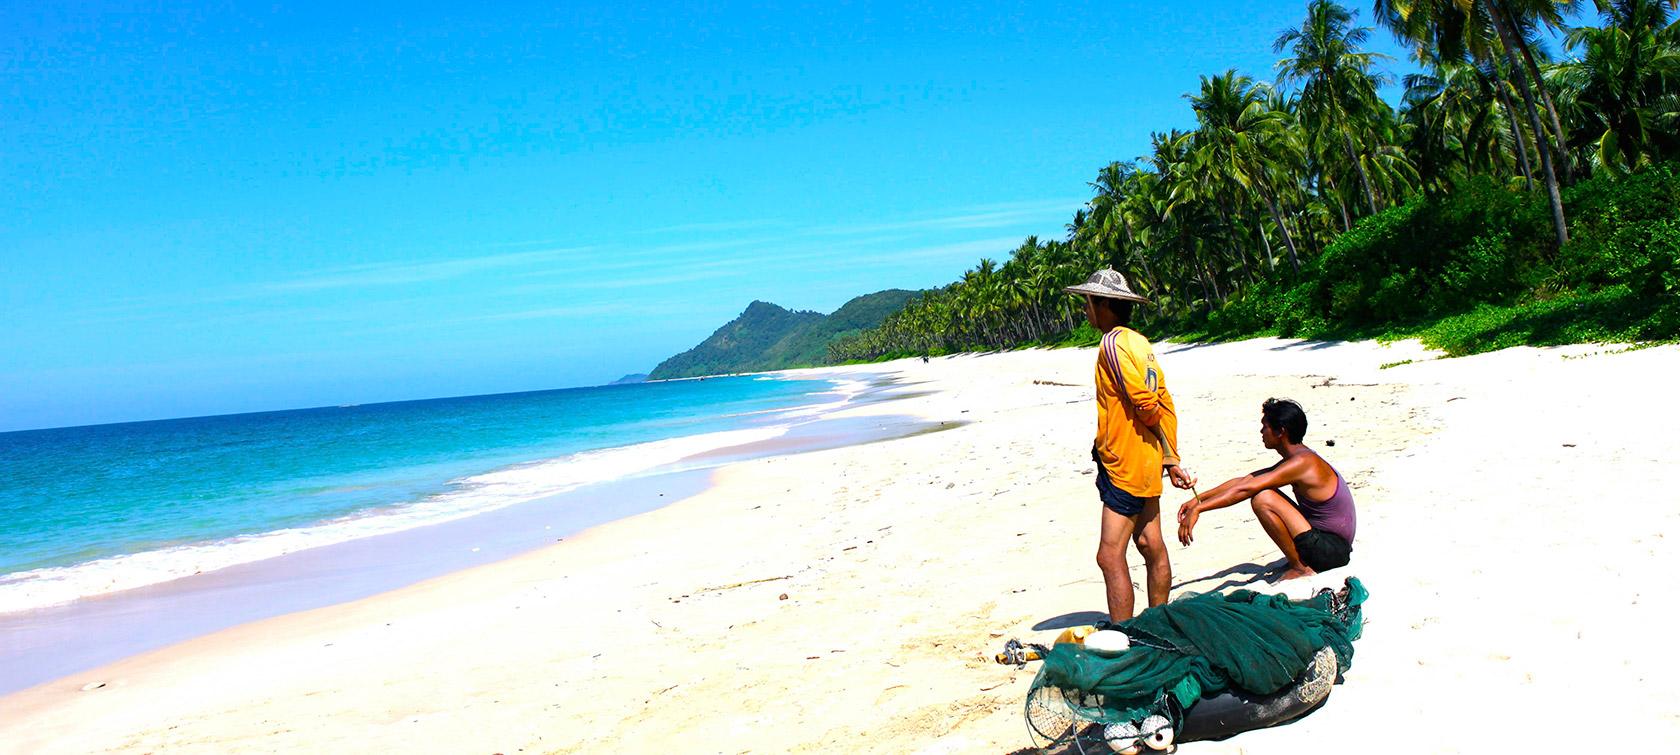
x=1478 y=269
x=1622 y=231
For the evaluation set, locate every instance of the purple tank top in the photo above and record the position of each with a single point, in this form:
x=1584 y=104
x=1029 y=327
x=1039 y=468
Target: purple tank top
x=1334 y=514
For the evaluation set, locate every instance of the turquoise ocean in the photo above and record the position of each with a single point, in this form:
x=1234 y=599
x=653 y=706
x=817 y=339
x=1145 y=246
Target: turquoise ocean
x=95 y=511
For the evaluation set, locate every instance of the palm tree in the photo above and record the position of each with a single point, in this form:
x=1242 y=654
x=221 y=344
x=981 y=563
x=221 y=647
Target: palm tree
x=1113 y=217
x=1241 y=139
x=1171 y=201
x=1456 y=123
x=1336 y=75
x=1194 y=221
x=1625 y=73
x=1528 y=16
x=1486 y=30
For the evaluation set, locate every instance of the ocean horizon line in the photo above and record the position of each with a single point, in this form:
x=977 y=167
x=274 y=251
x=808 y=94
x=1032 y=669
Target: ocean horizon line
x=327 y=407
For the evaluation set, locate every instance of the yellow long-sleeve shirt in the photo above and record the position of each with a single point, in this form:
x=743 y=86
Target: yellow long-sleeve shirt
x=1135 y=414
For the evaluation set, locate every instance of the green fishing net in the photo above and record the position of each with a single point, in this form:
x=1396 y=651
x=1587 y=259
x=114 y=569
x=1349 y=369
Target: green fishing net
x=1200 y=645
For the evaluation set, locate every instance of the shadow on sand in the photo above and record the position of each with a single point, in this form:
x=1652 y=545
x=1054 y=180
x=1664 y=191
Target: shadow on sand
x=1240 y=575
x=1179 y=348
x=1075 y=619
x=1306 y=345
x=1254 y=573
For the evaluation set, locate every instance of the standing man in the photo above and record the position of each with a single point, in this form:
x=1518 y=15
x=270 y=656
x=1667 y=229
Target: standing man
x=1137 y=434
x=1315 y=528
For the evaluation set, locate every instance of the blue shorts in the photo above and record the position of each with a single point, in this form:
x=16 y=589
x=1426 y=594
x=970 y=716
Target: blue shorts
x=1115 y=499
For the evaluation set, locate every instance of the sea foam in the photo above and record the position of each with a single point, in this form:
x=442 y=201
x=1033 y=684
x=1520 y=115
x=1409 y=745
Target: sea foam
x=467 y=496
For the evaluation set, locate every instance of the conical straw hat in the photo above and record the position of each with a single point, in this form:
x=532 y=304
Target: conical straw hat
x=1106 y=283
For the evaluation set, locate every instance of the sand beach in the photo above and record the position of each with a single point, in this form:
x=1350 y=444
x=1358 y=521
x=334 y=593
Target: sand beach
x=1516 y=532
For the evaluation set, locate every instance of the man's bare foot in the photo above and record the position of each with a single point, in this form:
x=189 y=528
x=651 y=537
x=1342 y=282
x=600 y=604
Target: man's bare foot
x=1296 y=573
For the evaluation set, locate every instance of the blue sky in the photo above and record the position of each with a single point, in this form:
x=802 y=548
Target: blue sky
x=229 y=207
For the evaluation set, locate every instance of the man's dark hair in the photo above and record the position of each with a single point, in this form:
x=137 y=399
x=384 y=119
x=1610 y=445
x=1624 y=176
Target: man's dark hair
x=1288 y=416
x=1122 y=309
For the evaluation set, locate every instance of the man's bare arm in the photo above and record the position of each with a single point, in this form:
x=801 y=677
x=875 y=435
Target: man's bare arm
x=1237 y=490
x=1171 y=462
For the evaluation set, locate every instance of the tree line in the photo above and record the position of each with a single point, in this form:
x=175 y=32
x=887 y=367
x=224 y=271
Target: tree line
x=1276 y=172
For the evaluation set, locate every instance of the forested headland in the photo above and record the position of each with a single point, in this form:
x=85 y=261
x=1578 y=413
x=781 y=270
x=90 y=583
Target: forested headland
x=1514 y=195
x=767 y=337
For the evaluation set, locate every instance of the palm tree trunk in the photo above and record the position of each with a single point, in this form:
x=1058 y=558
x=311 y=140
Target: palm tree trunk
x=1154 y=283
x=1271 y=262
x=1347 y=141
x=1364 y=178
x=1551 y=111
x=1231 y=241
x=1519 y=141
x=1210 y=288
x=1506 y=37
x=1347 y=225
x=1288 y=241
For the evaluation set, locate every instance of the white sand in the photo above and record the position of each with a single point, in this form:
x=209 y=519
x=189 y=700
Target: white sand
x=1521 y=587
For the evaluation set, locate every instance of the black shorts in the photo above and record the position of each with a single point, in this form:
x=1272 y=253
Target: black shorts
x=1115 y=499
x=1322 y=550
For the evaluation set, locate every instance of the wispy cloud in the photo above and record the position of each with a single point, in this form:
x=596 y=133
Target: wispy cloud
x=546 y=313
x=987 y=216
x=672 y=255
x=489 y=318
x=626 y=265
x=678 y=275
x=400 y=273
x=722 y=226
x=964 y=251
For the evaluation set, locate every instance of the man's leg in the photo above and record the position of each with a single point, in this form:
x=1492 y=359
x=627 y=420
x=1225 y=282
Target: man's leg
x=1282 y=522
x=1111 y=558
x=1147 y=535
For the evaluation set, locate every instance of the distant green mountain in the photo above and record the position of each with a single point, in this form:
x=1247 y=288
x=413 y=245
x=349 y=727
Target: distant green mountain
x=738 y=346
x=768 y=337
x=634 y=377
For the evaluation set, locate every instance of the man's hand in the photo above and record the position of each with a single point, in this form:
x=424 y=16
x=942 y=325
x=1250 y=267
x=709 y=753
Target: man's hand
x=1187 y=516
x=1180 y=478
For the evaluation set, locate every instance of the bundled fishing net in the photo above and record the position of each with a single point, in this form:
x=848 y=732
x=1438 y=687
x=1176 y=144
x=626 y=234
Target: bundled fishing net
x=1188 y=650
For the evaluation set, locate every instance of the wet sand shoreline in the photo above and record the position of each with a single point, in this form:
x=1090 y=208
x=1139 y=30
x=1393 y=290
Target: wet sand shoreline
x=42 y=645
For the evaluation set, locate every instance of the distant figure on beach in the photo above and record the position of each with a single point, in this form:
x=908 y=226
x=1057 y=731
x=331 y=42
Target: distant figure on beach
x=1315 y=528
x=1137 y=438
